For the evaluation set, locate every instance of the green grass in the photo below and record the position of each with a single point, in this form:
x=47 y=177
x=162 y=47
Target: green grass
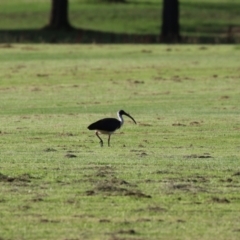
x=174 y=175
x=197 y=18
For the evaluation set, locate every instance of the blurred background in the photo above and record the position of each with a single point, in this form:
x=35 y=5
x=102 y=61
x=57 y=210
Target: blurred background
x=120 y=21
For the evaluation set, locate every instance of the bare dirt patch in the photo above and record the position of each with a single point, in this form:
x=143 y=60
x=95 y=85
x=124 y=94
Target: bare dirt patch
x=184 y=185
x=7 y=45
x=49 y=150
x=21 y=178
x=105 y=182
x=178 y=125
x=205 y=155
x=220 y=200
x=70 y=155
x=236 y=174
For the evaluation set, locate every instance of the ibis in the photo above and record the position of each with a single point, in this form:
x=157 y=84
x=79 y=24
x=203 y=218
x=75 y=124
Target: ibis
x=109 y=125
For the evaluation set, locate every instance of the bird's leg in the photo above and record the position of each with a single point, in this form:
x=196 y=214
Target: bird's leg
x=101 y=141
x=109 y=140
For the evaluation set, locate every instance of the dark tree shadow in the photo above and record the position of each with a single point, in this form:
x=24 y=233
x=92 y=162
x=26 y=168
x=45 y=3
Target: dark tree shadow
x=90 y=36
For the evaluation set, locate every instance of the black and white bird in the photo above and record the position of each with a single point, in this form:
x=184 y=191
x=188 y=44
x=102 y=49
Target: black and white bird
x=109 y=125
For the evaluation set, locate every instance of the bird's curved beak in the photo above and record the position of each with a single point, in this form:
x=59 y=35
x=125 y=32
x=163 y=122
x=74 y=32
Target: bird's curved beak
x=130 y=117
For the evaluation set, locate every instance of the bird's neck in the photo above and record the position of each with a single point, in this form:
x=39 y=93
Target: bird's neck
x=120 y=119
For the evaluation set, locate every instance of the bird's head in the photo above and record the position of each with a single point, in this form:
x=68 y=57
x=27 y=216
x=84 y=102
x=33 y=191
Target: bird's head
x=121 y=112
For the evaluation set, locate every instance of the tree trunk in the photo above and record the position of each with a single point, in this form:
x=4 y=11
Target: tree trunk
x=170 y=21
x=59 y=16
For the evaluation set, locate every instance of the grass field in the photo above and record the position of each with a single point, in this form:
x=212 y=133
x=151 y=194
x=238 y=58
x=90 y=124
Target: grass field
x=174 y=175
x=200 y=18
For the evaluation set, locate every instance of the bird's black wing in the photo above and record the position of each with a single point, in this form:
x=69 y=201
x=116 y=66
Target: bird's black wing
x=106 y=124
